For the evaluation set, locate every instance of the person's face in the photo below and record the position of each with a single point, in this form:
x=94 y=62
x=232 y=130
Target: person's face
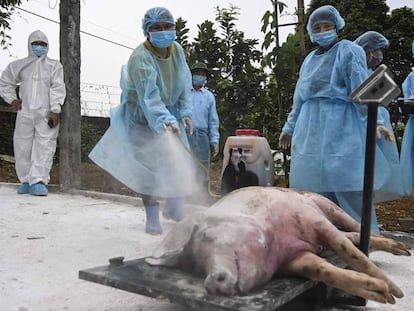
x=161 y=27
x=374 y=58
x=41 y=43
x=377 y=54
x=323 y=27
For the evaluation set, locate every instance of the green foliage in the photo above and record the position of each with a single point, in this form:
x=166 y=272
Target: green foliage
x=182 y=33
x=7 y=8
x=90 y=136
x=238 y=81
x=399 y=29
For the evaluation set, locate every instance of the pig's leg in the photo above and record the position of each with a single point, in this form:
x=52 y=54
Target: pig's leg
x=381 y=243
x=338 y=217
x=335 y=214
x=357 y=260
x=356 y=283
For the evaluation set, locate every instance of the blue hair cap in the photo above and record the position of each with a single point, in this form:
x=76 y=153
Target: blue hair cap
x=156 y=15
x=371 y=41
x=325 y=14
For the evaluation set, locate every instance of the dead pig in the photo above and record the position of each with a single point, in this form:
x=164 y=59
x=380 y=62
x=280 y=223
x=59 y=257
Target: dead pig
x=253 y=233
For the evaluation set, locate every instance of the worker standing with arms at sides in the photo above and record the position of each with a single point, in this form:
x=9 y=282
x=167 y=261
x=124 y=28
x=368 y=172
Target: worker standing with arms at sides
x=325 y=129
x=374 y=45
x=407 y=146
x=42 y=92
x=205 y=138
x=155 y=104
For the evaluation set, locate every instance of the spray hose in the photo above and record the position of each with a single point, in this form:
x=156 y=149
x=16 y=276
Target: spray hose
x=205 y=169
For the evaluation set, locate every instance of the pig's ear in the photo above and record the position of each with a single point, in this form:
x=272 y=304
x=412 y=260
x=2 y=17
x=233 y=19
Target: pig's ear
x=169 y=251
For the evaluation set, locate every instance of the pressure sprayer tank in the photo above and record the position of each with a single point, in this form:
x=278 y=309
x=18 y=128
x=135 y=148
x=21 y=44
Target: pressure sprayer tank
x=254 y=150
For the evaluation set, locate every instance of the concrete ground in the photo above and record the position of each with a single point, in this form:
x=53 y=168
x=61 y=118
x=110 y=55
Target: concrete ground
x=45 y=241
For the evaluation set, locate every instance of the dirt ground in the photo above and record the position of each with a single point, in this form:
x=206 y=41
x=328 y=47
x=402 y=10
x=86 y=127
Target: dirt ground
x=395 y=215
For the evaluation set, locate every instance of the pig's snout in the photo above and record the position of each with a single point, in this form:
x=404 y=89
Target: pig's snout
x=221 y=283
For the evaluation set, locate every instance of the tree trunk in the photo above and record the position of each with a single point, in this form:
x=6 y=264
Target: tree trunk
x=70 y=138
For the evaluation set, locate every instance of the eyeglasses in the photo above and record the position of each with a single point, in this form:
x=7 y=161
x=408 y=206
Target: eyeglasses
x=161 y=27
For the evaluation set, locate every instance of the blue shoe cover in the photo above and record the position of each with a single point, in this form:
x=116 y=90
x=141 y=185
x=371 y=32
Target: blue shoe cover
x=173 y=209
x=39 y=189
x=153 y=225
x=23 y=188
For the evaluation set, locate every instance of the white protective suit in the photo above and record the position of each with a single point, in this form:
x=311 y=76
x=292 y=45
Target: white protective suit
x=41 y=90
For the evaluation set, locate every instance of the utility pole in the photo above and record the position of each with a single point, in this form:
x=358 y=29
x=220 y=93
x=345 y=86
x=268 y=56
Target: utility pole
x=70 y=138
x=301 y=18
x=276 y=21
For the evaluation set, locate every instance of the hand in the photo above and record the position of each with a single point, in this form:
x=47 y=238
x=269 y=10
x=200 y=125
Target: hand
x=16 y=105
x=383 y=131
x=173 y=127
x=215 y=149
x=285 y=140
x=188 y=124
x=53 y=118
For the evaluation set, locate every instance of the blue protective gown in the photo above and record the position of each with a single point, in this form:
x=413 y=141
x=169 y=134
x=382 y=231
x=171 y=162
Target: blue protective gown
x=205 y=127
x=392 y=189
x=329 y=131
x=136 y=149
x=407 y=146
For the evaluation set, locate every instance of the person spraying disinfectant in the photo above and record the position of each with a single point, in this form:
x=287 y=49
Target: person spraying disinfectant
x=143 y=147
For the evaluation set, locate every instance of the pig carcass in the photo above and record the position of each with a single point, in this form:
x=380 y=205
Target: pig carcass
x=255 y=233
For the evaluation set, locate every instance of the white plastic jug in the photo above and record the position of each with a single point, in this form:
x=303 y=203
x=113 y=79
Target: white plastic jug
x=254 y=150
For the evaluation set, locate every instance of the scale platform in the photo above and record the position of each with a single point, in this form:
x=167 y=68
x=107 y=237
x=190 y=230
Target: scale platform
x=136 y=276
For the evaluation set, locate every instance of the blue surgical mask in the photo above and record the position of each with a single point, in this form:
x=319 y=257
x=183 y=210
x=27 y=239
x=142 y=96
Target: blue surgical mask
x=39 y=50
x=162 y=39
x=199 y=80
x=325 y=38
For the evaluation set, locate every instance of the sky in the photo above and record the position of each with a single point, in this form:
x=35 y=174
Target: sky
x=121 y=23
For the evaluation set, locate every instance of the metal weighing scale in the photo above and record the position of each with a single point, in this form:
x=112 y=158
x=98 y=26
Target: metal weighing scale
x=283 y=294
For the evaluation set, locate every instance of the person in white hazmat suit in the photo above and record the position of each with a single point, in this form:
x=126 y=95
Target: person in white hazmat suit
x=41 y=94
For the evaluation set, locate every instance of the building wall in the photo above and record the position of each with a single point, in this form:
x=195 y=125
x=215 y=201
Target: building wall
x=92 y=130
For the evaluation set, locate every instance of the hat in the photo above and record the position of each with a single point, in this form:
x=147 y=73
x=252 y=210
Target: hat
x=200 y=66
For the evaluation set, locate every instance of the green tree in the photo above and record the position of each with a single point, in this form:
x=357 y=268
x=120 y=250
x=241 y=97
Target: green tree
x=7 y=8
x=238 y=81
x=284 y=62
x=182 y=33
x=360 y=16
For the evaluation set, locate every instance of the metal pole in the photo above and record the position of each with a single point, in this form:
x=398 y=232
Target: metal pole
x=368 y=177
x=301 y=14
x=276 y=21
